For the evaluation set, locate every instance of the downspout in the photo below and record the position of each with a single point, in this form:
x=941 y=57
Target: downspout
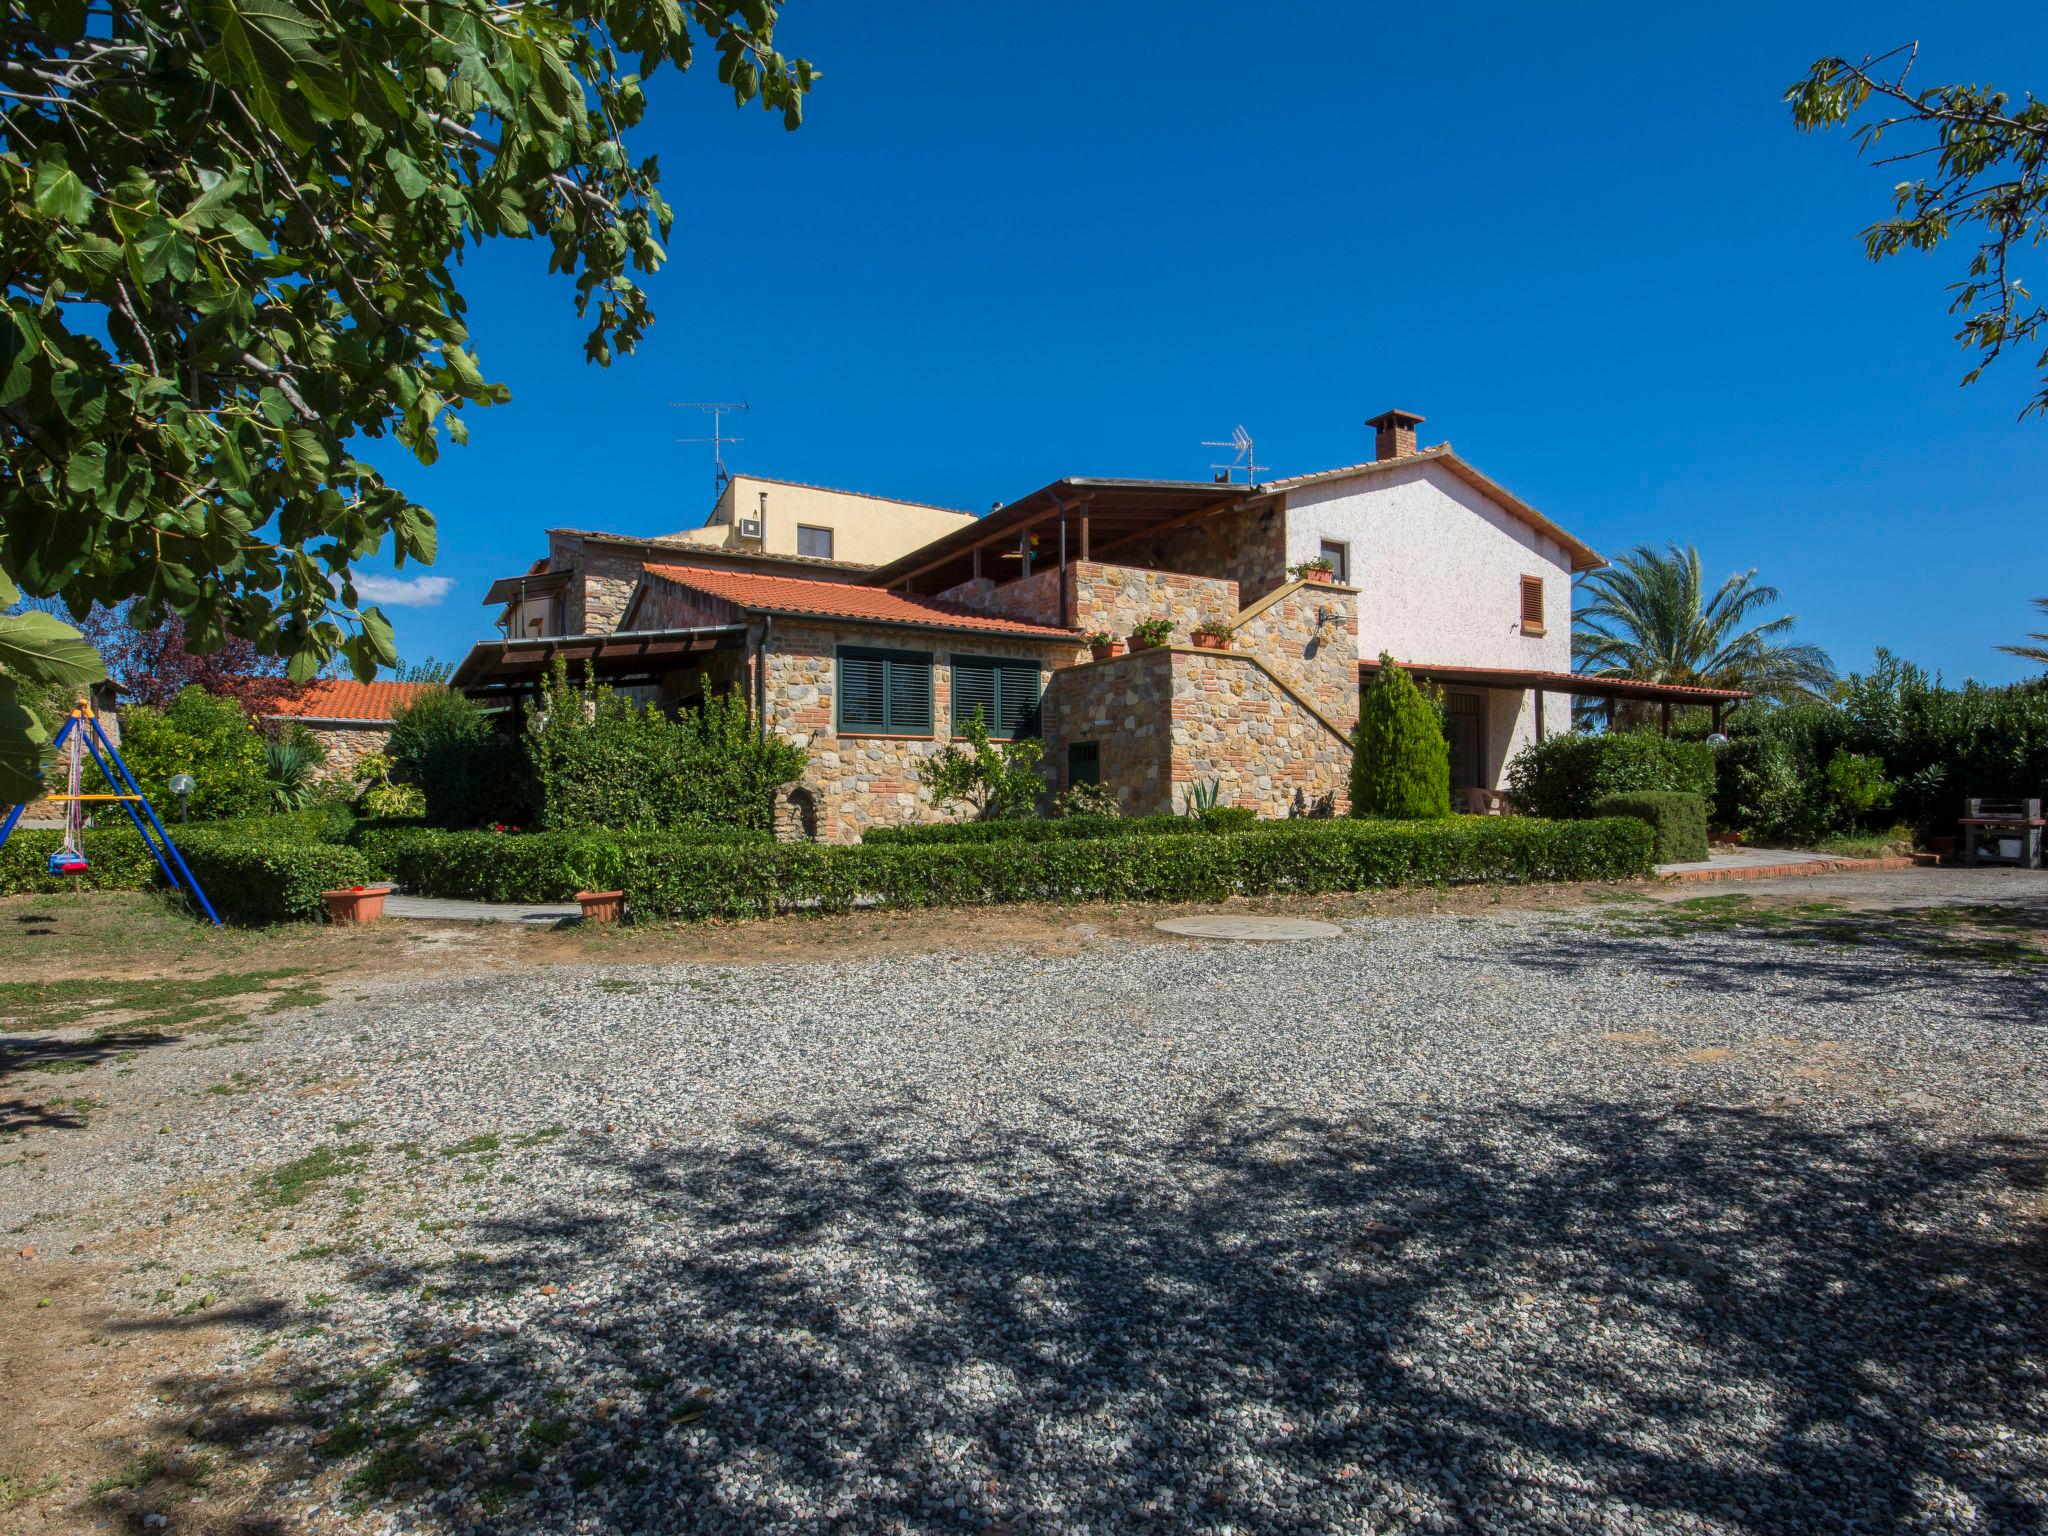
x=761 y=673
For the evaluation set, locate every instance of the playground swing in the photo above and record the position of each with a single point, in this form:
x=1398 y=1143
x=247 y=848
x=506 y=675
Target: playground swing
x=82 y=735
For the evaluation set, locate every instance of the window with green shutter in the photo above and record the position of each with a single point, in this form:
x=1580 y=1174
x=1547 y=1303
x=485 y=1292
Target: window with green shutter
x=1004 y=690
x=886 y=693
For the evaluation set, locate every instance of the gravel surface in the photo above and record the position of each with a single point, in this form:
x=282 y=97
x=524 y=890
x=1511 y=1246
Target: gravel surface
x=1538 y=1223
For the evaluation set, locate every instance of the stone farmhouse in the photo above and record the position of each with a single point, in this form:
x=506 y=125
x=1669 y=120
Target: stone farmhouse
x=873 y=664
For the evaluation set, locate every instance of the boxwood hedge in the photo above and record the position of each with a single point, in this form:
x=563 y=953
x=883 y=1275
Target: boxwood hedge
x=1679 y=819
x=522 y=866
x=1300 y=856
x=1060 y=828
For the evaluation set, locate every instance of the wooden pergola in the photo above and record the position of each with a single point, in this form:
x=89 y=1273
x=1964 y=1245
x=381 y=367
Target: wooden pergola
x=507 y=671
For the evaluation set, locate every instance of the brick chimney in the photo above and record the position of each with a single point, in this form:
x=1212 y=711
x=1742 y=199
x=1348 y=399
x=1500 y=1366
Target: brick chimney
x=1393 y=434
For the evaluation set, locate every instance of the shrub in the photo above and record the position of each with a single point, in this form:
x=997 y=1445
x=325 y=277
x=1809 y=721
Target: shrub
x=213 y=739
x=603 y=762
x=1227 y=818
x=289 y=768
x=1297 y=856
x=115 y=857
x=256 y=879
x=469 y=771
x=995 y=778
x=1566 y=776
x=1086 y=800
x=524 y=866
x=1678 y=818
x=1400 y=762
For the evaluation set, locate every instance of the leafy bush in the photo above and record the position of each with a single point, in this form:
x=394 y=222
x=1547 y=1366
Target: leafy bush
x=1400 y=761
x=995 y=778
x=525 y=866
x=601 y=761
x=1678 y=818
x=289 y=767
x=1086 y=800
x=255 y=879
x=211 y=738
x=1227 y=818
x=1298 y=856
x=469 y=771
x=1566 y=776
x=1929 y=746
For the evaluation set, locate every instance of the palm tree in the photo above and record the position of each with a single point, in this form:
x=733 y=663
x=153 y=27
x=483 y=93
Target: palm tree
x=2032 y=652
x=1649 y=616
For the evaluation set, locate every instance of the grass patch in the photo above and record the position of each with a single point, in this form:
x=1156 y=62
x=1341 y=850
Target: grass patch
x=238 y=1082
x=139 y=1473
x=297 y=1179
x=544 y=1134
x=161 y=1004
x=1868 y=845
x=19 y=1488
x=470 y=1146
x=392 y=1467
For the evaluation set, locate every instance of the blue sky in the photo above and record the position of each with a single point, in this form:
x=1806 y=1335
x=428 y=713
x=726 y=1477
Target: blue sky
x=1014 y=243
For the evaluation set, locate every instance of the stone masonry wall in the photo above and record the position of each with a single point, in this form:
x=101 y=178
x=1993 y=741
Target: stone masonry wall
x=867 y=781
x=347 y=745
x=1248 y=547
x=1232 y=724
x=1122 y=705
x=664 y=605
x=1033 y=599
x=1115 y=599
x=1308 y=634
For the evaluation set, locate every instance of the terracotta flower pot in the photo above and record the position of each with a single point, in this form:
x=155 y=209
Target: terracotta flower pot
x=359 y=904
x=1325 y=577
x=1104 y=652
x=601 y=906
x=1208 y=642
x=1138 y=644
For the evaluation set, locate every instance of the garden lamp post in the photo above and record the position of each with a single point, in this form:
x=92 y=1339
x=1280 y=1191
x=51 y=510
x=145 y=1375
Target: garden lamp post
x=182 y=785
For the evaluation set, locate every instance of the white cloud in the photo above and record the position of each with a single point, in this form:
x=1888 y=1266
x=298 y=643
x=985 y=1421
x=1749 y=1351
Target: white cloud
x=418 y=592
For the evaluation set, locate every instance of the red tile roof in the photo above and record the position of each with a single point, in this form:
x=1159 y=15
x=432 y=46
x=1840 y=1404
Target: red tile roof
x=836 y=600
x=343 y=698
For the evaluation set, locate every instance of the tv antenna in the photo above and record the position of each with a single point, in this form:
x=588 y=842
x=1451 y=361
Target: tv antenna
x=719 y=436
x=1241 y=441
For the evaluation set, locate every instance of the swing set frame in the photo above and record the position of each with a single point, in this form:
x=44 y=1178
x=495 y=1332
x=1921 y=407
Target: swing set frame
x=83 y=729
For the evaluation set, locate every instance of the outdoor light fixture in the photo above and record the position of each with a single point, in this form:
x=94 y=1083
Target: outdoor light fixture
x=1717 y=740
x=182 y=785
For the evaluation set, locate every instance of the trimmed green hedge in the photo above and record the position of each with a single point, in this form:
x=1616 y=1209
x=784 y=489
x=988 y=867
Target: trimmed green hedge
x=521 y=866
x=251 y=879
x=1568 y=775
x=1299 y=856
x=1051 y=830
x=262 y=870
x=1679 y=820
x=115 y=861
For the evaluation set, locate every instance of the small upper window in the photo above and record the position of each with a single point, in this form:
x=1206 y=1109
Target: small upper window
x=1532 y=605
x=1339 y=556
x=814 y=542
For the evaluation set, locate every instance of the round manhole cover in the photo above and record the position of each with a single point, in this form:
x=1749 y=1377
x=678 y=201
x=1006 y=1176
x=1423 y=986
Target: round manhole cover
x=1222 y=926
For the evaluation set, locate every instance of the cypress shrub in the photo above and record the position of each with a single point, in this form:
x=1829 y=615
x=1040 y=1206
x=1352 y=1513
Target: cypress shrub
x=1400 y=761
x=1679 y=820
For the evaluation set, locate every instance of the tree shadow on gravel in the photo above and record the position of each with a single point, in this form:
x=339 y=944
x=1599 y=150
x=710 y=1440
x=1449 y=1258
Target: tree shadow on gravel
x=1828 y=955
x=1528 y=1318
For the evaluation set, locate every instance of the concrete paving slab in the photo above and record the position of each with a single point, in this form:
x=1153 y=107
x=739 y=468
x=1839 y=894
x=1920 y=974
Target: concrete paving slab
x=1221 y=925
x=441 y=910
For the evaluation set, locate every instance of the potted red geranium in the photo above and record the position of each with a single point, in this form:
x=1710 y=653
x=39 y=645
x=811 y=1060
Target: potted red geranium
x=355 y=903
x=1150 y=633
x=1213 y=636
x=1318 y=569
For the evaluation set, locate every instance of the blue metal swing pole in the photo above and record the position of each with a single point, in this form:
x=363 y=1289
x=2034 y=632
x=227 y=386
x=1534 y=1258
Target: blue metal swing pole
x=129 y=806
x=128 y=779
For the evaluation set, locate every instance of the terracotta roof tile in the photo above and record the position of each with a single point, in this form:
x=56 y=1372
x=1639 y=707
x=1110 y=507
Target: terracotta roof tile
x=343 y=698
x=833 y=600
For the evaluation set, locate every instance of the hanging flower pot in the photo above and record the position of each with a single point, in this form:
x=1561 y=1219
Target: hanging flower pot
x=356 y=904
x=601 y=906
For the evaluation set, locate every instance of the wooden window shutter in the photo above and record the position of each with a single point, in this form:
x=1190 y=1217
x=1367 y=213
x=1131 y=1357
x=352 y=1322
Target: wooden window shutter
x=1532 y=605
x=974 y=688
x=862 y=696
x=909 y=695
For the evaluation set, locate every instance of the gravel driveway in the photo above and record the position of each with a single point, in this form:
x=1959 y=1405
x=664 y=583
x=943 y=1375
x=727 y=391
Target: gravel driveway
x=1604 y=1221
